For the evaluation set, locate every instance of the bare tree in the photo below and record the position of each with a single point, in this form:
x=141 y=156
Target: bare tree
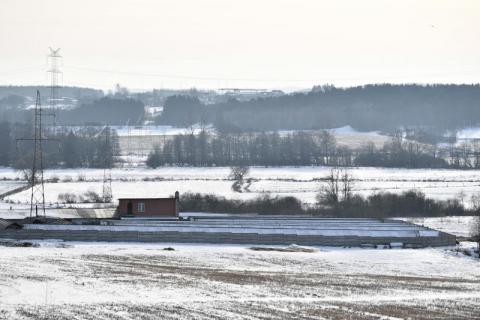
x=238 y=174
x=337 y=187
x=347 y=184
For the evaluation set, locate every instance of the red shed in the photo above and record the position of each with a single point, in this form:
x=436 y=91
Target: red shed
x=149 y=207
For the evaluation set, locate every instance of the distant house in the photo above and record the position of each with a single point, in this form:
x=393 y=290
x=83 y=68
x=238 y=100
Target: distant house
x=148 y=207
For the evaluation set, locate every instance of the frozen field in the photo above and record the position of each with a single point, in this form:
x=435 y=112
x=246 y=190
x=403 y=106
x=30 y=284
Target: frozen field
x=459 y=226
x=301 y=182
x=6 y=186
x=133 y=281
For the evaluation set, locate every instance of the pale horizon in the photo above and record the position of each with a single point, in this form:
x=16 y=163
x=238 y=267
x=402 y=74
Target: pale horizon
x=287 y=45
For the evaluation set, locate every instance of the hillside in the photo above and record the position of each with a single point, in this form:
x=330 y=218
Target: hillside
x=368 y=108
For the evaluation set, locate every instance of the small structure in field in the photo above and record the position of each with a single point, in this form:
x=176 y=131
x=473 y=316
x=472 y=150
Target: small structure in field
x=148 y=207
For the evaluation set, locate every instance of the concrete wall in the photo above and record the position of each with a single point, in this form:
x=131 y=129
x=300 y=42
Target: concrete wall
x=443 y=239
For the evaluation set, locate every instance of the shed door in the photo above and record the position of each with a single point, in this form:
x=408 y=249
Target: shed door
x=129 y=209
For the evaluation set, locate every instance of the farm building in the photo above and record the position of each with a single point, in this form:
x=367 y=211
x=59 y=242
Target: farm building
x=148 y=207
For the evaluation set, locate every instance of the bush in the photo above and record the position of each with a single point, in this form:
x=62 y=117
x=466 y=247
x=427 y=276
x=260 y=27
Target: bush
x=67 y=197
x=154 y=159
x=380 y=205
x=92 y=196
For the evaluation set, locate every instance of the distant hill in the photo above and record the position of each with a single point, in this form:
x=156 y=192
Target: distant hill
x=371 y=107
x=70 y=92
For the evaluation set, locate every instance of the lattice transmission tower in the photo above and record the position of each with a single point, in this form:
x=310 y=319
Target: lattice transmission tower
x=35 y=177
x=107 y=172
x=54 y=60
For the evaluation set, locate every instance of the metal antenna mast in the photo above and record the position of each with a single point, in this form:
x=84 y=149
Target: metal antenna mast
x=54 y=61
x=37 y=198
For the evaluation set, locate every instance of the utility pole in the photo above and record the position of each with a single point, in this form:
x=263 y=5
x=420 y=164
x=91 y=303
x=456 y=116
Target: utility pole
x=37 y=198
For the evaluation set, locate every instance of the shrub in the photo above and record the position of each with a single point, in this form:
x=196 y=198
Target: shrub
x=67 y=197
x=92 y=196
x=154 y=159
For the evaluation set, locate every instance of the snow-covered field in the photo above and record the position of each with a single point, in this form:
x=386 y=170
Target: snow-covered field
x=140 y=281
x=469 y=133
x=459 y=226
x=8 y=185
x=301 y=182
x=157 y=130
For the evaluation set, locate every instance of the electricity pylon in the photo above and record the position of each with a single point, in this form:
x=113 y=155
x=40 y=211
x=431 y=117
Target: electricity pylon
x=54 y=61
x=37 y=197
x=107 y=172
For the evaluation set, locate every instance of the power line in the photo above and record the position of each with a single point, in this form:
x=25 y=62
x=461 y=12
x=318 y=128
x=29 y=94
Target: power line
x=186 y=77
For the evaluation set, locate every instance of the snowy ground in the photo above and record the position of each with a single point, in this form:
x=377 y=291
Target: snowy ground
x=8 y=185
x=469 y=133
x=139 y=281
x=300 y=182
x=459 y=226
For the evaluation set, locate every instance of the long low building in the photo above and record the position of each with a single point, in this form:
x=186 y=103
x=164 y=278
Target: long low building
x=243 y=230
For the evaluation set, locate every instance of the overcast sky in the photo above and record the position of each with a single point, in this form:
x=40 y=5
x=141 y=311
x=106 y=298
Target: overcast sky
x=144 y=44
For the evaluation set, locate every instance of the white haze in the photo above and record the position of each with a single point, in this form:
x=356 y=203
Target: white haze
x=250 y=43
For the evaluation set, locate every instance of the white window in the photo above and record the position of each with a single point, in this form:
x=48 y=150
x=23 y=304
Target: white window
x=141 y=207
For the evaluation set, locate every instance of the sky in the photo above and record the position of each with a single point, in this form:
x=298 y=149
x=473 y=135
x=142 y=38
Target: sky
x=265 y=44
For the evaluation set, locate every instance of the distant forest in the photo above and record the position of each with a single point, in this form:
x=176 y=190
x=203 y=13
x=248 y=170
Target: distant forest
x=88 y=147
x=365 y=108
x=107 y=110
x=385 y=107
x=102 y=111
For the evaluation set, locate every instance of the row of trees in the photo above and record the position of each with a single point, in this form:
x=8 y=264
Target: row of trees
x=380 y=205
x=305 y=148
x=207 y=149
x=92 y=147
x=336 y=198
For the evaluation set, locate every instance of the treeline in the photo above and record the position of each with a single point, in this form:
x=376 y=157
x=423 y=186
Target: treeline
x=380 y=205
x=89 y=147
x=366 y=108
x=207 y=149
x=107 y=110
x=305 y=148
